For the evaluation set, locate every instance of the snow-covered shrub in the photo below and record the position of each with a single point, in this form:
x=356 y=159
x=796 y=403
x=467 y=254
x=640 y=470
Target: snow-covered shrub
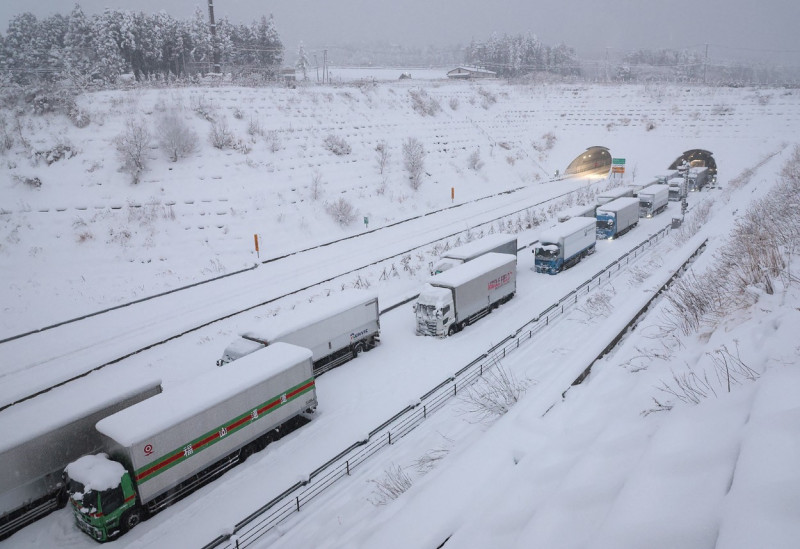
x=337 y=145
x=273 y=141
x=176 y=137
x=6 y=138
x=394 y=483
x=487 y=98
x=493 y=394
x=545 y=143
x=454 y=103
x=316 y=189
x=341 y=211
x=414 y=161
x=32 y=182
x=254 y=127
x=382 y=155
x=132 y=145
x=422 y=103
x=474 y=161
x=221 y=136
x=59 y=151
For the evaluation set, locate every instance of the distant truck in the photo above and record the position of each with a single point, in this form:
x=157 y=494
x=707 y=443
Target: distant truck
x=664 y=179
x=335 y=329
x=577 y=211
x=458 y=297
x=617 y=217
x=500 y=243
x=612 y=194
x=161 y=449
x=677 y=188
x=698 y=178
x=565 y=245
x=653 y=200
x=43 y=434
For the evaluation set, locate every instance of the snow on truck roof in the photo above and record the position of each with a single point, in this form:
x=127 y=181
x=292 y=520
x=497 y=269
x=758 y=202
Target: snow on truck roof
x=179 y=403
x=96 y=472
x=480 y=245
x=61 y=406
x=566 y=228
x=618 y=204
x=270 y=329
x=466 y=272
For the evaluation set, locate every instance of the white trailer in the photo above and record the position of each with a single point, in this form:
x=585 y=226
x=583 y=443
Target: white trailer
x=335 y=329
x=565 y=245
x=163 y=448
x=677 y=188
x=451 y=300
x=612 y=194
x=500 y=243
x=653 y=200
x=617 y=217
x=42 y=435
x=587 y=210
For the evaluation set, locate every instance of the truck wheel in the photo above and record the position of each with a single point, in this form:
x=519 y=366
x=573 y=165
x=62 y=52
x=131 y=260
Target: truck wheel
x=246 y=452
x=451 y=330
x=131 y=518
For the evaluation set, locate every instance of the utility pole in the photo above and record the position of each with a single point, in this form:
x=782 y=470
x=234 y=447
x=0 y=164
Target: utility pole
x=705 y=64
x=214 y=44
x=325 y=66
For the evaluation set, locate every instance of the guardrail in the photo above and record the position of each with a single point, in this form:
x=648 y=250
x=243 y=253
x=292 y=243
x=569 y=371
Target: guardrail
x=275 y=511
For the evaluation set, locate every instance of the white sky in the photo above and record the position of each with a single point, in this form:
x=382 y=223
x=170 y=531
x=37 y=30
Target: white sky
x=734 y=29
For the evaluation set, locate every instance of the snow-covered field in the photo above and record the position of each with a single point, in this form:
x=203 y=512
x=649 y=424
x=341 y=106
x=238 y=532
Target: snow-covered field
x=587 y=469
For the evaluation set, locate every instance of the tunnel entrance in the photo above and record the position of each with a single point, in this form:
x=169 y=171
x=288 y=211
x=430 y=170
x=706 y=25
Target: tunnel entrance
x=594 y=161
x=697 y=158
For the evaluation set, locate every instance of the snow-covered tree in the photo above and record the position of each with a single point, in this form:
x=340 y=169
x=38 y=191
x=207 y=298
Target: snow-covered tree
x=302 y=61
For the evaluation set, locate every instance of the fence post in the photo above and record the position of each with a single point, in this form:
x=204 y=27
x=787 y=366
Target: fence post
x=390 y=438
x=297 y=500
x=425 y=411
x=348 y=467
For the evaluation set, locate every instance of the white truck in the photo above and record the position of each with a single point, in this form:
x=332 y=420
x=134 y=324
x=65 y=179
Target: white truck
x=698 y=178
x=500 y=243
x=617 y=217
x=653 y=200
x=42 y=435
x=587 y=210
x=565 y=245
x=161 y=449
x=451 y=300
x=677 y=188
x=335 y=329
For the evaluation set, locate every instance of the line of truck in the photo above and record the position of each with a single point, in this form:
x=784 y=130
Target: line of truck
x=129 y=453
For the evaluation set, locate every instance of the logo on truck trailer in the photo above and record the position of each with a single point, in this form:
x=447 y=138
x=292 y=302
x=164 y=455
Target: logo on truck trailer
x=500 y=281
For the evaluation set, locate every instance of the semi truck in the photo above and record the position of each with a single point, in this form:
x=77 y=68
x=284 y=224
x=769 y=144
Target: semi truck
x=500 y=243
x=565 y=245
x=617 y=217
x=653 y=200
x=161 y=449
x=335 y=329
x=677 y=188
x=698 y=178
x=451 y=300
x=44 y=434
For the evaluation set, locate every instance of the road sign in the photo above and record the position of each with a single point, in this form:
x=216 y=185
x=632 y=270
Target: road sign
x=618 y=161
x=617 y=169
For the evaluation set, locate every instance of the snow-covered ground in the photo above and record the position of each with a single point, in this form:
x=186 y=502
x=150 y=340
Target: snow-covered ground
x=587 y=469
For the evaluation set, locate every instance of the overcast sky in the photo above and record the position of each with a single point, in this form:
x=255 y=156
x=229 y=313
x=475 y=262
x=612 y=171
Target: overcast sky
x=732 y=28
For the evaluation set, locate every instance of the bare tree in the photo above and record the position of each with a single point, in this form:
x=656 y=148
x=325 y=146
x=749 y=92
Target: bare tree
x=414 y=161
x=176 y=137
x=131 y=145
x=382 y=155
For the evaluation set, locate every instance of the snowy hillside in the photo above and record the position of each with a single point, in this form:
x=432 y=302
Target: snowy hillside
x=635 y=456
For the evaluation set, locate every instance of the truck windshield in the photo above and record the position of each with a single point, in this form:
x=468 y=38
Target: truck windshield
x=428 y=311
x=87 y=499
x=606 y=223
x=546 y=252
x=110 y=500
x=646 y=204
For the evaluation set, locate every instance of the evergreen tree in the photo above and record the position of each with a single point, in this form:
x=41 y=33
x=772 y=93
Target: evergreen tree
x=302 y=61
